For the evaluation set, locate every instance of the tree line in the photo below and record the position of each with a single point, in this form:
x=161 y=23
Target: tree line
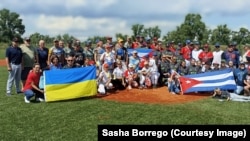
x=192 y=28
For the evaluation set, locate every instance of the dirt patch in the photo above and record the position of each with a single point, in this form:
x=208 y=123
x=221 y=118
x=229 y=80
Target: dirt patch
x=2 y=62
x=157 y=96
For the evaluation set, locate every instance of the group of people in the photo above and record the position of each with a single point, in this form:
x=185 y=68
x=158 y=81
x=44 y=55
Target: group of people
x=119 y=69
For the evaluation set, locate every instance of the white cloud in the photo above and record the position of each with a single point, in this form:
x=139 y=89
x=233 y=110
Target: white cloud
x=85 y=18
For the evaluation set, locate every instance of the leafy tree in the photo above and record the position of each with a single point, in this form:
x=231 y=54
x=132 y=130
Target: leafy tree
x=121 y=36
x=10 y=25
x=221 y=34
x=242 y=36
x=152 y=32
x=192 y=28
x=137 y=29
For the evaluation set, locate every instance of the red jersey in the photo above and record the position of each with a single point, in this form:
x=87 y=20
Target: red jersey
x=32 y=77
x=186 y=52
x=128 y=73
x=135 y=45
x=172 y=49
x=152 y=46
x=205 y=56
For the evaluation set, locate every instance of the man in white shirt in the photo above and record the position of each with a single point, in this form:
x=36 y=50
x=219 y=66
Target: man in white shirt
x=196 y=51
x=217 y=53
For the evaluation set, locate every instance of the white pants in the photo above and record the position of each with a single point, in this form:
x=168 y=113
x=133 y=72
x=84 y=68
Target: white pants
x=241 y=98
x=154 y=77
x=14 y=76
x=101 y=88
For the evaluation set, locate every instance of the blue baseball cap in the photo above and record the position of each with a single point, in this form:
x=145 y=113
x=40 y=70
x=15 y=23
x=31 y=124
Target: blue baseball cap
x=217 y=45
x=188 y=41
x=196 y=43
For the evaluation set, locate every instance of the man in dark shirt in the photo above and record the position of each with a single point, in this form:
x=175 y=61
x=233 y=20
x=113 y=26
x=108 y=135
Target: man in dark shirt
x=13 y=57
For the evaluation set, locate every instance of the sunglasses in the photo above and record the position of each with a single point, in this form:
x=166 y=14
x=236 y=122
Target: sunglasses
x=70 y=60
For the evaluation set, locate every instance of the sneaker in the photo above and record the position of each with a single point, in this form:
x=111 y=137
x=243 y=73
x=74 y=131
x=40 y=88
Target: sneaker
x=129 y=87
x=8 y=94
x=19 y=92
x=39 y=99
x=26 y=100
x=173 y=93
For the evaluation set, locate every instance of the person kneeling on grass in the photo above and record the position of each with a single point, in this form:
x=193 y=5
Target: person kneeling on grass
x=104 y=80
x=31 y=87
x=229 y=96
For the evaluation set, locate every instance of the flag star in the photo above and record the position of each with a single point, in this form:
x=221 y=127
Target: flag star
x=188 y=81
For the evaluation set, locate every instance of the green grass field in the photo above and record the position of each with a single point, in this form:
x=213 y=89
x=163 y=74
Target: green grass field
x=78 y=119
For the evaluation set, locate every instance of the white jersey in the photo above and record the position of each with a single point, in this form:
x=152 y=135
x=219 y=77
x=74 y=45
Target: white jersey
x=217 y=56
x=118 y=72
x=195 y=54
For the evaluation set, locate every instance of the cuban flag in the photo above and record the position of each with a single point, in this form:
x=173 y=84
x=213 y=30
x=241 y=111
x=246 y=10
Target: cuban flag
x=141 y=52
x=208 y=81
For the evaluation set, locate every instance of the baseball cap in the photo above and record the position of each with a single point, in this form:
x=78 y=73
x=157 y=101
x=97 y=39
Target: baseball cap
x=196 y=43
x=188 y=41
x=26 y=38
x=15 y=39
x=106 y=65
x=120 y=40
x=217 y=45
x=130 y=65
x=134 y=51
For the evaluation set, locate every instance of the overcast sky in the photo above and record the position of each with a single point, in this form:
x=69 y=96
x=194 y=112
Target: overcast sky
x=86 y=18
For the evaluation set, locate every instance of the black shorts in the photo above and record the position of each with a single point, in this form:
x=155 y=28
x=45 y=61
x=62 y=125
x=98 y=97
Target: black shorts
x=25 y=72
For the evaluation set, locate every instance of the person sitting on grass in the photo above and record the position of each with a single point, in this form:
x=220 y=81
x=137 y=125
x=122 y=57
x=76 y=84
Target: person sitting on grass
x=31 y=87
x=174 y=83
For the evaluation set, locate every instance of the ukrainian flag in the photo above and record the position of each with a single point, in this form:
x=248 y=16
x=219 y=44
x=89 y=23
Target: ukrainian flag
x=68 y=84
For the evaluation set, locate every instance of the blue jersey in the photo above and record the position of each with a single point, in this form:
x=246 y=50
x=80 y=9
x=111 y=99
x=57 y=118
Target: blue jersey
x=14 y=54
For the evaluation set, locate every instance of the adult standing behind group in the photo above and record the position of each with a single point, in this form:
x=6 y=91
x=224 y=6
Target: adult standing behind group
x=186 y=51
x=217 y=54
x=42 y=52
x=56 y=50
x=30 y=56
x=13 y=57
x=231 y=55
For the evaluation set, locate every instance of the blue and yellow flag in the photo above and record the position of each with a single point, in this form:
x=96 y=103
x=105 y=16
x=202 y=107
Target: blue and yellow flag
x=68 y=84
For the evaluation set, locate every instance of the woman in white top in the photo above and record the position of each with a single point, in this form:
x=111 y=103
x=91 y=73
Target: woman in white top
x=104 y=80
x=118 y=77
x=145 y=75
x=154 y=73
